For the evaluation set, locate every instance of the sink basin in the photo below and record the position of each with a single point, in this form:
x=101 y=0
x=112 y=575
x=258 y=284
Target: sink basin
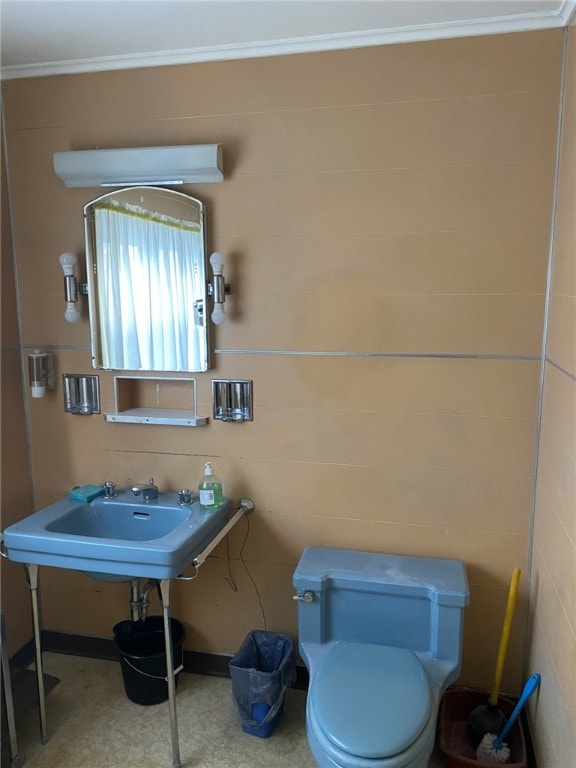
x=123 y=519
x=116 y=539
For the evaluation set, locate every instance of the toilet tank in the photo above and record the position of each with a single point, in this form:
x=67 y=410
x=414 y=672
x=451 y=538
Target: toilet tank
x=407 y=602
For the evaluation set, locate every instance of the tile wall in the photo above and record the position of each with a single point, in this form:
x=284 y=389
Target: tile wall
x=553 y=588
x=15 y=489
x=386 y=215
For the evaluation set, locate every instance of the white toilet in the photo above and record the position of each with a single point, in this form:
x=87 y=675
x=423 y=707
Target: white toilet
x=381 y=636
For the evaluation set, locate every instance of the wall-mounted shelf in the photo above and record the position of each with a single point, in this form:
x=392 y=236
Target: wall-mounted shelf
x=144 y=400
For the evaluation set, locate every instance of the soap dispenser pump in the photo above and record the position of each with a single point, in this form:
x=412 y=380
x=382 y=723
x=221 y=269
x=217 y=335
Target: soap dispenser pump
x=210 y=489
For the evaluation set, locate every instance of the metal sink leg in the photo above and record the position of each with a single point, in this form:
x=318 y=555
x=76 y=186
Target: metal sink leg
x=171 y=679
x=32 y=578
x=17 y=759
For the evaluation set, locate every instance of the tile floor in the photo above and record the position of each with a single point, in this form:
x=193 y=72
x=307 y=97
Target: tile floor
x=92 y=724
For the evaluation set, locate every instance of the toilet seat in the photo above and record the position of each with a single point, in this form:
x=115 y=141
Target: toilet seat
x=371 y=701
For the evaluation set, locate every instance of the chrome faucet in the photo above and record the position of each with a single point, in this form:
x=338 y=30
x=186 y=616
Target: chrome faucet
x=147 y=490
x=110 y=490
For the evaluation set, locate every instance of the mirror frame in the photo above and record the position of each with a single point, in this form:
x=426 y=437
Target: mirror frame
x=92 y=275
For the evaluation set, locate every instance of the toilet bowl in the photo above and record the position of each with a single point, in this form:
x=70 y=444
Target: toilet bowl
x=381 y=636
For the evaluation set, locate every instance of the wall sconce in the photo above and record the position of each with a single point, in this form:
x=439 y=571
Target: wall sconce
x=218 y=289
x=72 y=288
x=40 y=372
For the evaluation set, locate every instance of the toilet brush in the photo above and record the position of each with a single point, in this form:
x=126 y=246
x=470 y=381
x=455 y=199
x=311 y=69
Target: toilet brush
x=488 y=718
x=493 y=749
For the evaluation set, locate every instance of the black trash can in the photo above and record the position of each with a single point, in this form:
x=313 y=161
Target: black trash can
x=261 y=670
x=142 y=649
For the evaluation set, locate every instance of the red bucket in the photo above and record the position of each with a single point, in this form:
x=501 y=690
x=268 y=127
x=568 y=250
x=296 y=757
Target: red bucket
x=458 y=742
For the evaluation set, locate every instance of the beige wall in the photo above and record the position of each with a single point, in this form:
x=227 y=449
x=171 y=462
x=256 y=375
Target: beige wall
x=553 y=589
x=15 y=496
x=389 y=206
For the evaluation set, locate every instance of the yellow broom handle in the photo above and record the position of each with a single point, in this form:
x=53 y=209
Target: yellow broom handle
x=512 y=594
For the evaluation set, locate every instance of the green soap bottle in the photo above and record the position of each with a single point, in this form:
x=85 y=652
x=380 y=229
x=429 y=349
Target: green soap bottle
x=210 y=489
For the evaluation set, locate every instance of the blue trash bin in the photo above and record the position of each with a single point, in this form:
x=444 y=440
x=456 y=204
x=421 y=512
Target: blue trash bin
x=261 y=670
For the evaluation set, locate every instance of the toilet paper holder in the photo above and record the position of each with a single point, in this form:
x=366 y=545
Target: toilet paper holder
x=232 y=399
x=81 y=394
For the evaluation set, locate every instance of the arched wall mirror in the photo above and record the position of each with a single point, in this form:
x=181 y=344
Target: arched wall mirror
x=146 y=265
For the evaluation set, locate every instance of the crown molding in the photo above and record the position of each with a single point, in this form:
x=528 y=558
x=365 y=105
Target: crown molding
x=568 y=11
x=298 y=45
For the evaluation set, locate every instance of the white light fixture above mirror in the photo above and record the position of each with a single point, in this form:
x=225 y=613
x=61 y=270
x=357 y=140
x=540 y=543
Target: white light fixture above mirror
x=149 y=166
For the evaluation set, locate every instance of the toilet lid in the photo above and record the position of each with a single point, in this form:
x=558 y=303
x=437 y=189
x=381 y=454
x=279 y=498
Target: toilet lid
x=371 y=700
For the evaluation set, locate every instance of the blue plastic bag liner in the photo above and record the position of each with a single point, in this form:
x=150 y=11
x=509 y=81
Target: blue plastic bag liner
x=261 y=670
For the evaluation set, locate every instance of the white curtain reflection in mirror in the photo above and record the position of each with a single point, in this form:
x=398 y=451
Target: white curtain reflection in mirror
x=148 y=277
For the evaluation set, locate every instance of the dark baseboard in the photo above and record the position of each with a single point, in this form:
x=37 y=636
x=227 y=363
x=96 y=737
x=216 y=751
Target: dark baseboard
x=24 y=657
x=24 y=686
x=78 y=645
x=196 y=662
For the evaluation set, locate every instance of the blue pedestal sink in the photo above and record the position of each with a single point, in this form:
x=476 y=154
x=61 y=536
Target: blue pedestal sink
x=116 y=539
x=121 y=538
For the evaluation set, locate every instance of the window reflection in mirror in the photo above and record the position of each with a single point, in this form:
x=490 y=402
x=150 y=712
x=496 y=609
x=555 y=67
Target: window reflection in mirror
x=145 y=250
